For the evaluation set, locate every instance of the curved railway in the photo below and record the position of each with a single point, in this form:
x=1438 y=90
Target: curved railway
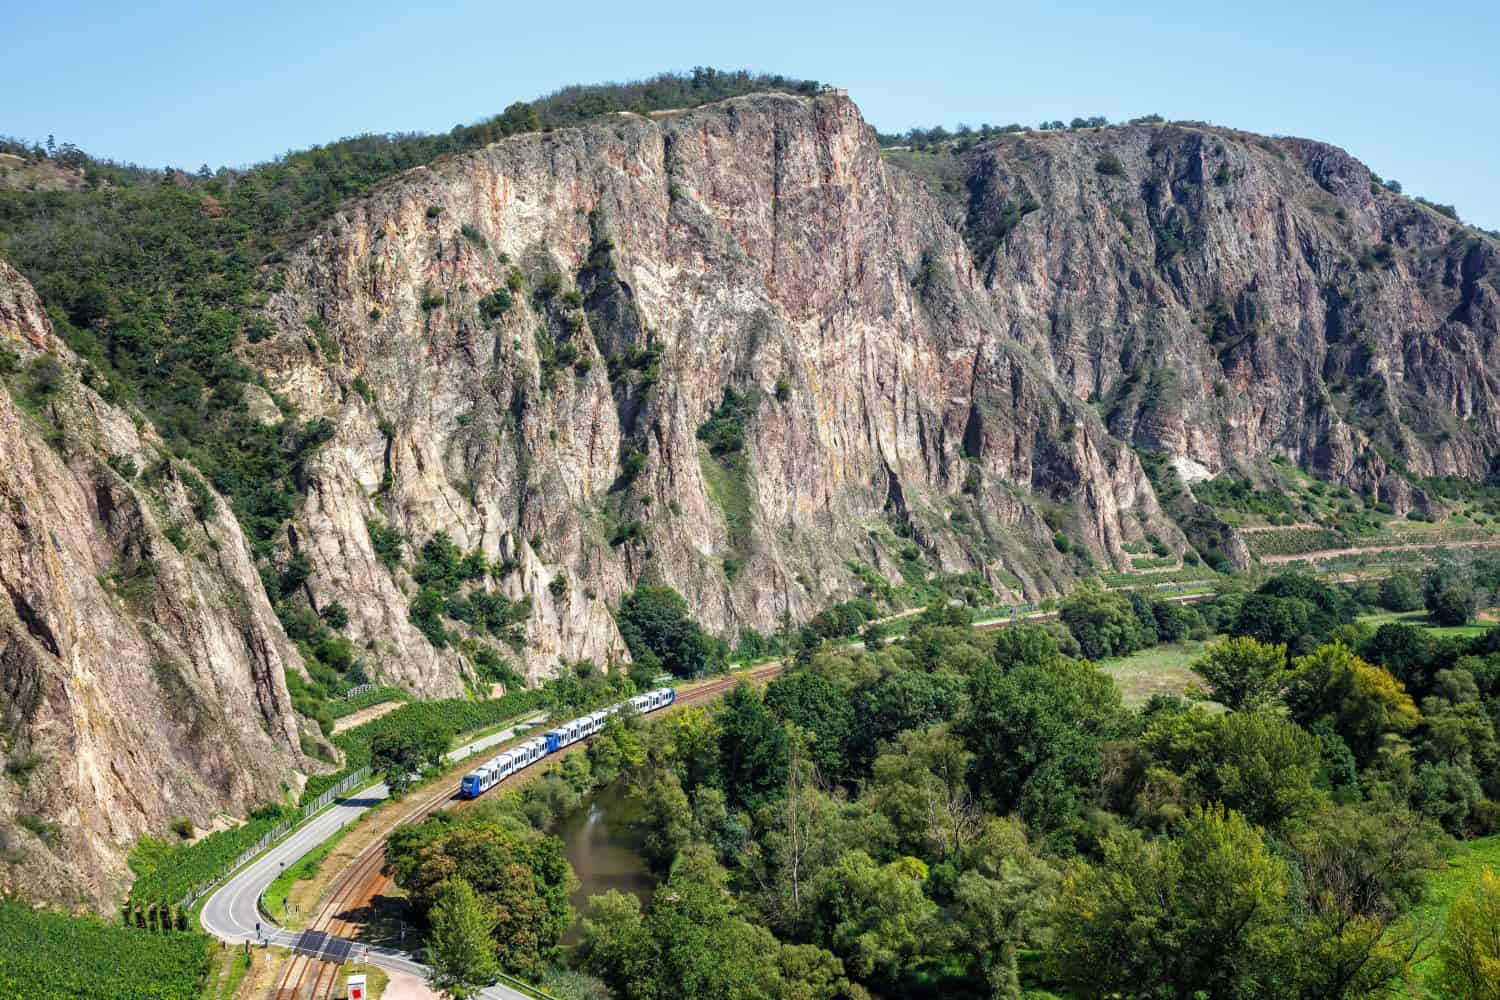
x=332 y=937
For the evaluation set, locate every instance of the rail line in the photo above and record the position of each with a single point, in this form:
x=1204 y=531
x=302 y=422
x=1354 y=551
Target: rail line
x=331 y=939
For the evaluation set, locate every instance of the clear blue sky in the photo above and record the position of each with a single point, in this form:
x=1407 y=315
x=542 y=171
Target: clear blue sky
x=1412 y=92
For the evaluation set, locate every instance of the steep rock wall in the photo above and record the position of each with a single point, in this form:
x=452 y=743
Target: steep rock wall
x=138 y=683
x=1225 y=296
x=761 y=245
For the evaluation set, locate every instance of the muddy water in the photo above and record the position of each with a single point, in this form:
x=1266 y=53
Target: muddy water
x=604 y=850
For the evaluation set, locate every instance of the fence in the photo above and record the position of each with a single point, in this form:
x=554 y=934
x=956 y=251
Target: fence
x=277 y=832
x=358 y=690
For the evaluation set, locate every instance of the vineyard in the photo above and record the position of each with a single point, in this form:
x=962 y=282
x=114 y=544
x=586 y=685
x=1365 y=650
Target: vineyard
x=165 y=872
x=1187 y=574
x=453 y=714
x=54 y=956
x=375 y=696
x=1292 y=541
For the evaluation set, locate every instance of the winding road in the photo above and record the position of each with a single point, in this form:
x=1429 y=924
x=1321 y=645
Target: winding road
x=232 y=912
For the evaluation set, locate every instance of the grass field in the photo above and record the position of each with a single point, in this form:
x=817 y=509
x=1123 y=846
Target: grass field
x=1446 y=886
x=1419 y=618
x=1165 y=669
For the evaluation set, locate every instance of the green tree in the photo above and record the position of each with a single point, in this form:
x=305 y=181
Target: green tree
x=920 y=783
x=1105 y=623
x=1203 y=913
x=521 y=876
x=1362 y=868
x=656 y=626
x=1243 y=672
x=1469 y=955
x=1407 y=651
x=752 y=749
x=874 y=916
x=692 y=945
x=1449 y=596
x=1035 y=731
x=401 y=755
x=999 y=900
x=1256 y=763
x=1400 y=592
x=1454 y=604
x=1271 y=619
x=898 y=701
x=1359 y=701
x=460 y=951
x=667 y=819
x=816 y=704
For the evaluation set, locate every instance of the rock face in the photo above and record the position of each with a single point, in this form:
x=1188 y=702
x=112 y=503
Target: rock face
x=736 y=350
x=1225 y=296
x=139 y=681
x=649 y=266
x=519 y=346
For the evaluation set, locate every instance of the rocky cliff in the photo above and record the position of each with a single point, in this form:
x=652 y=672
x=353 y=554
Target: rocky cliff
x=738 y=350
x=520 y=345
x=141 y=668
x=1224 y=296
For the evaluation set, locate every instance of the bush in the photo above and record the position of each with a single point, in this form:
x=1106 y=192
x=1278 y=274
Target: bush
x=495 y=305
x=1400 y=592
x=474 y=236
x=388 y=543
x=45 y=379
x=724 y=431
x=661 y=635
x=1110 y=166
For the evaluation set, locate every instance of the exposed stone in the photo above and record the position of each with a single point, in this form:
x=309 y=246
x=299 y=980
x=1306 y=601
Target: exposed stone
x=138 y=683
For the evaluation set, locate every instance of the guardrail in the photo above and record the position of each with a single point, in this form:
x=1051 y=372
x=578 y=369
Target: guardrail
x=524 y=987
x=281 y=829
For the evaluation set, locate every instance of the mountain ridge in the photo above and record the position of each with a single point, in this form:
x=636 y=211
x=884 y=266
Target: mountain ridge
x=736 y=349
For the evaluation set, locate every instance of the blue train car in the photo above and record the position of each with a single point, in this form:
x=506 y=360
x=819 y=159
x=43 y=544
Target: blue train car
x=497 y=769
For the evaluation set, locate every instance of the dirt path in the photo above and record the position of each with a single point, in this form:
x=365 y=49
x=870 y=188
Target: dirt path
x=404 y=987
x=365 y=715
x=1321 y=554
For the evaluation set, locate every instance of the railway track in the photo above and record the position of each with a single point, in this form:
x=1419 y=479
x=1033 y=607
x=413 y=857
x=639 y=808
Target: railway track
x=329 y=941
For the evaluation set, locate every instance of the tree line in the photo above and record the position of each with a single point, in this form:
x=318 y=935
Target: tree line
x=966 y=815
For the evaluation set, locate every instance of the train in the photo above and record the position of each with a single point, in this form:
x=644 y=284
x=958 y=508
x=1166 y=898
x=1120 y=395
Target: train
x=498 y=768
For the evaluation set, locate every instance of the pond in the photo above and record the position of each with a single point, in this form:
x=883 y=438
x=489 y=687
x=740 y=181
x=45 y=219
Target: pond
x=604 y=848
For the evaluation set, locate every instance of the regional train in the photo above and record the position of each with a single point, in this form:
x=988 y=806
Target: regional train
x=497 y=769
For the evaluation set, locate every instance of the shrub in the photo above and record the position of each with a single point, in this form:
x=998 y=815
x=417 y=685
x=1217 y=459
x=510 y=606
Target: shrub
x=724 y=431
x=1109 y=165
x=495 y=304
x=387 y=542
x=474 y=236
x=45 y=379
x=431 y=302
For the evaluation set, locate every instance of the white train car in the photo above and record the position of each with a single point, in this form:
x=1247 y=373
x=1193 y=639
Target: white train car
x=498 y=768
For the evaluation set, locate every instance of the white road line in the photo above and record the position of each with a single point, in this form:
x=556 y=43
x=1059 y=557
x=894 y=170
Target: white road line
x=232 y=911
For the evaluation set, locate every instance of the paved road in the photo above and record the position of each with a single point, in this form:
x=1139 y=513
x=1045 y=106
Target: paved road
x=232 y=911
